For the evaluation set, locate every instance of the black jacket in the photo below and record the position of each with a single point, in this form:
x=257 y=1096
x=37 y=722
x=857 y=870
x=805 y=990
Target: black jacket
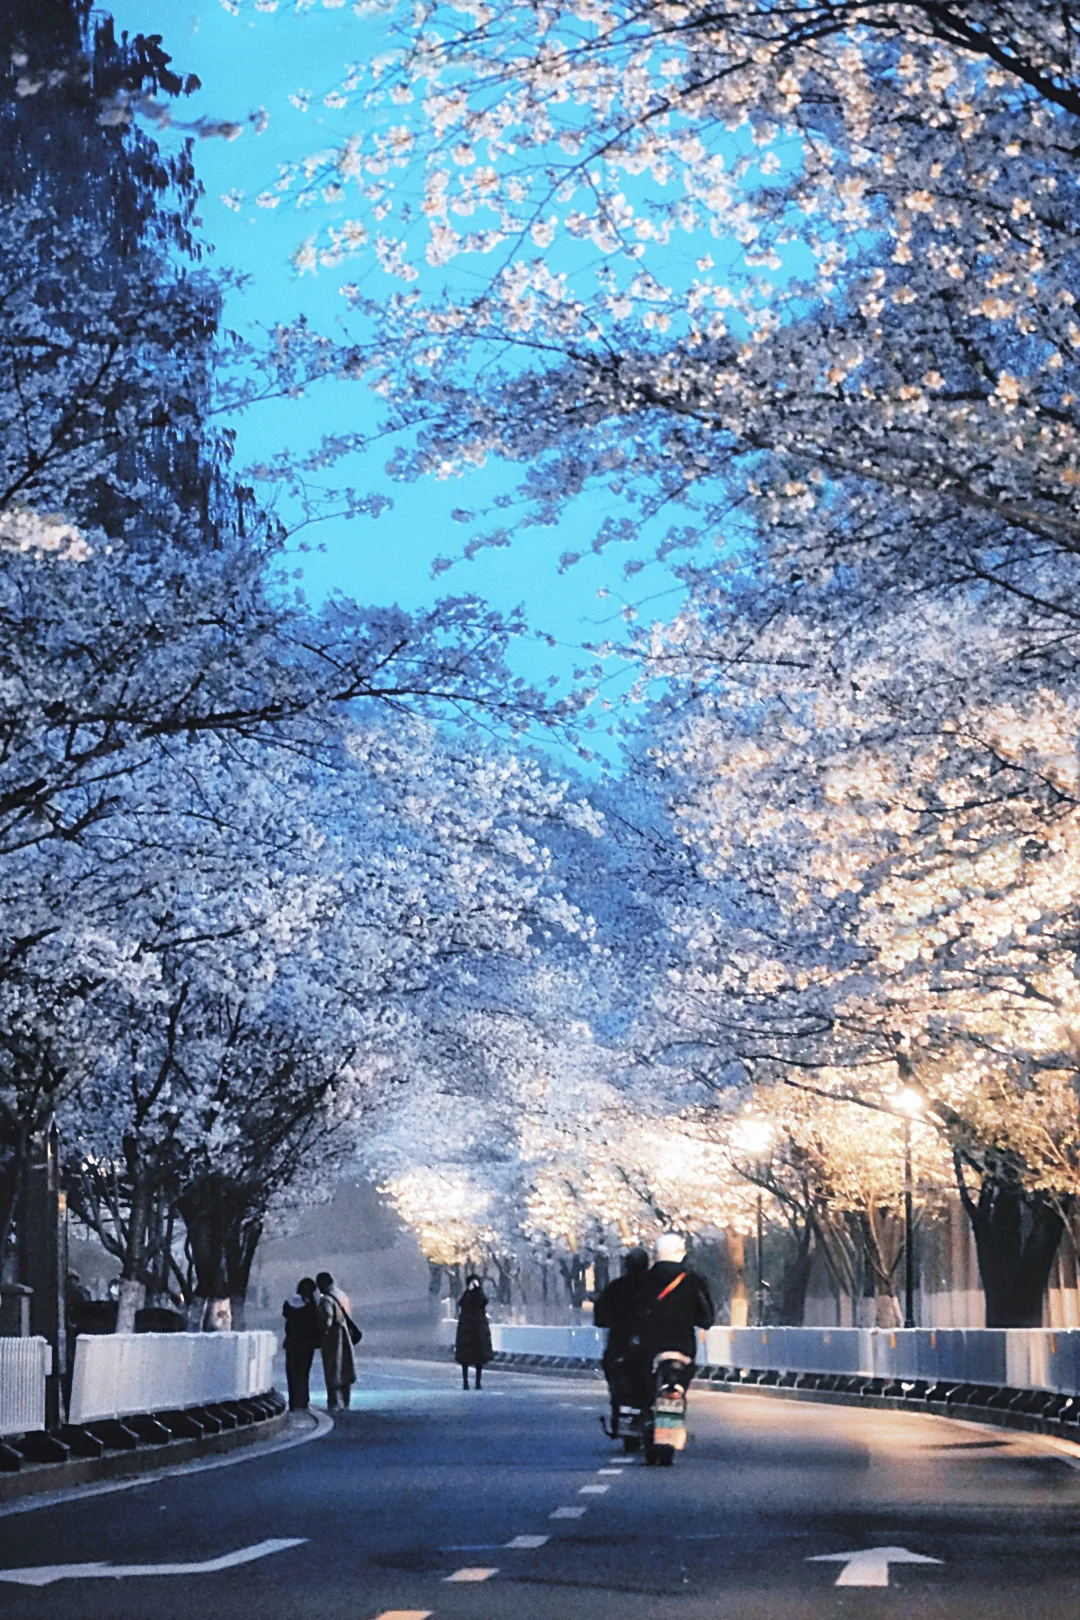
x=616 y=1310
x=673 y=1303
x=301 y=1325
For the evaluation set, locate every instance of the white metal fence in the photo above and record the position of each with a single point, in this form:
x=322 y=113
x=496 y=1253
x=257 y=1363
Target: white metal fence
x=117 y=1374
x=24 y=1366
x=1022 y=1358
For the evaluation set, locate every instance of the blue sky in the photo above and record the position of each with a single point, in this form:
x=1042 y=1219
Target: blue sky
x=253 y=60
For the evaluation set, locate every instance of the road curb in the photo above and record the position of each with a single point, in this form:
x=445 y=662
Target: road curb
x=52 y=1484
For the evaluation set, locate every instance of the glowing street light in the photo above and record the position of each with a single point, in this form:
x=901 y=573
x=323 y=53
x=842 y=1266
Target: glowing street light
x=753 y=1136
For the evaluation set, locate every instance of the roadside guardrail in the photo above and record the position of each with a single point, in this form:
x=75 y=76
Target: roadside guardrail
x=120 y=1374
x=24 y=1366
x=1023 y=1377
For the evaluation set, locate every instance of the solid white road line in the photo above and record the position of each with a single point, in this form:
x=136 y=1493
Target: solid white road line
x=593 y=1490
x=462 y=1575
x=528 y=1543
x=46 y=1574
x=567 y=1513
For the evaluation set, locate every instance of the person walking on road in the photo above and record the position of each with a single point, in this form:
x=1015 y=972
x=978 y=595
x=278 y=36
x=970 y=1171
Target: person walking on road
x=616 y=1309
x=472 y=1345
x=674 y=1302
x=302 y=1336
x=338 y=1333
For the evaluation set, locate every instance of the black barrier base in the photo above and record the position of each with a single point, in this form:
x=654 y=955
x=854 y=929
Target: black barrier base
x=37 y=1446
x=114 y=1435
x=80 y=1442
x=181 y=1425
x=203 y=1415
x=88 y=1456
x=148 y=1429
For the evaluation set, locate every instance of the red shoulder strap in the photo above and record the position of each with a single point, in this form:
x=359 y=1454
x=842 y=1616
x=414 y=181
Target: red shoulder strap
x=672 y=1285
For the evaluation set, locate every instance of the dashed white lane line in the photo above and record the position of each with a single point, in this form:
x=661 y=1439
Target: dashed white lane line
x=567 y=1513
x=462 y=1575
x=405 y=1614
x=615 y=1471
x=528 y=1543
x=593 y=1490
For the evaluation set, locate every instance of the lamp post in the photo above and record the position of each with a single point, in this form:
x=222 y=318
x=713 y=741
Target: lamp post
x=754 y=1136
x=909 y=1103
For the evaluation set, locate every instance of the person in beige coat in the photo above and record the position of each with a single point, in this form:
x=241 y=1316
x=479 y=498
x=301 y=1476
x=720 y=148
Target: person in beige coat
x=339 y=1363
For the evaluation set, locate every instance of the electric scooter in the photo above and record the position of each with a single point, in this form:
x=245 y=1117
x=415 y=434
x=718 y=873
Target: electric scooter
x=625 y=1421
x=663 y=1423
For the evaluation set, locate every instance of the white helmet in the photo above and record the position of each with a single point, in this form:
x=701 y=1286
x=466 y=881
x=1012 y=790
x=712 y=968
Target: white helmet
x=670 y=1246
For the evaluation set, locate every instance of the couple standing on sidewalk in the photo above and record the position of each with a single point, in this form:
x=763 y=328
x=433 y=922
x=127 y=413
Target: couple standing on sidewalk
x=325 y=1324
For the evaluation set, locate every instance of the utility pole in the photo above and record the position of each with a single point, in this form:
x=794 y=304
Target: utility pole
x=42 y=1249
x=909 y=1232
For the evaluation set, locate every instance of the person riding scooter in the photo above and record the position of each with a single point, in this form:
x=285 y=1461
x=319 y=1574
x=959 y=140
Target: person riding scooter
x=616 y=1309
x=673 y=1303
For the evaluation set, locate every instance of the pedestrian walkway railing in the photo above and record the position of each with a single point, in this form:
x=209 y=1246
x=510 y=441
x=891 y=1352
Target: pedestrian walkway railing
x=24 y=1366
x=1014 y=1358
x=119 y=1374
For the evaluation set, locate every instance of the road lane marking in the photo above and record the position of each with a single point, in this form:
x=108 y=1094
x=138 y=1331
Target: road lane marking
x=615 y=1471
x=869 y=1566
x=46 y=1574
x=567 y=1513
x=405 y=1614
x=462 y=1575
x=528 y=1543
x=593 y=1490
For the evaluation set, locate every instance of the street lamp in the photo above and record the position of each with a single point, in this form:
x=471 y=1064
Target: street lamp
x=754 y=1136
x=909 y=1103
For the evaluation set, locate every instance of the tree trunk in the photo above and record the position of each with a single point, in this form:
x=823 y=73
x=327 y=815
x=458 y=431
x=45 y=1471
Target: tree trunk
x=740 y=1302
x=795 y=1279
x=1016 y=1238
x=217 y=1317
x=132 y=1285
x=13 y=1155
x=202 y=1207
x=242 y=1234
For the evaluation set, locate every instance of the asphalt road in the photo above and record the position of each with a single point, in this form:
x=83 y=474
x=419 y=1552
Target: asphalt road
x=421 y=1482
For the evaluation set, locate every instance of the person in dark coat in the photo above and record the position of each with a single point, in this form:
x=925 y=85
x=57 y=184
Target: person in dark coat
x=616 y=1309
x=301 y=1341
x=472 y=1345
x=674 y=1302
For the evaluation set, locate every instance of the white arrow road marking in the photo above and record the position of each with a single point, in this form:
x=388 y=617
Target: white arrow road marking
x=870 y=1566
x=45 y=1574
